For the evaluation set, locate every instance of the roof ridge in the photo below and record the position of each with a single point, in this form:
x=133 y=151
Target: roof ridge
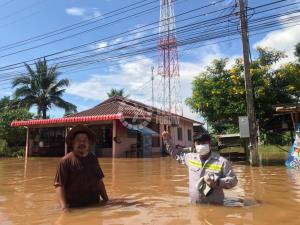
x=132 y=103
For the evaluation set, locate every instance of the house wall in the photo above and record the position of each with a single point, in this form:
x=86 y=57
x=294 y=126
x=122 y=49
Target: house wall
x=185 y=125
x=126 y=142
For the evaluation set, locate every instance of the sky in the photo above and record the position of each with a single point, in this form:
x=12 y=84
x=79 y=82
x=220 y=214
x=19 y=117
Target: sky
x=20 y=20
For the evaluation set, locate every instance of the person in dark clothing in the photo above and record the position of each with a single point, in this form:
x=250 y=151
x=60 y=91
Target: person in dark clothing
x=78 y=180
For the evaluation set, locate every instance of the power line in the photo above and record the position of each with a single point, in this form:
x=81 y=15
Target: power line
x=84 y=23
x=21 y=10
x=89 y=30
x=107 y=39
x=193 y=47
x=6 y=3
x=191 y=40
x=260 y=27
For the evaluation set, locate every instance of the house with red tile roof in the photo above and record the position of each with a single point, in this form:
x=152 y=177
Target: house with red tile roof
x=123 y=127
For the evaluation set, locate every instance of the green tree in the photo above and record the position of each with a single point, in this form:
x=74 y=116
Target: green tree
x=41 y=88
x=219 y=92
x=297 y=51
x=6 y=103
x=8 y=113
x=116 y=92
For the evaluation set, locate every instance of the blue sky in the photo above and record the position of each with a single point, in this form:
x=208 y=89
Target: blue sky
x=20 y=20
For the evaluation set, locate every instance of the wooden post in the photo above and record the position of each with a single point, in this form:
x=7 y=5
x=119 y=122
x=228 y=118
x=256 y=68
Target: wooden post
x=66 y=146
x=113 y=142
x=254 y=156
x=27 y=143
x=293 y=120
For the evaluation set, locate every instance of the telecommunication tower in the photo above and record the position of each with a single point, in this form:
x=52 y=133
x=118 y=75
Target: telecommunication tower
x=168 y=66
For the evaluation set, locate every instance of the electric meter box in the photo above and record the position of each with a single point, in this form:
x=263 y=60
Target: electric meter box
x=244 y=127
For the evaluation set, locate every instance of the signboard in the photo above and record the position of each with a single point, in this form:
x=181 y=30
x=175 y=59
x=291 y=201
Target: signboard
x=244 y=127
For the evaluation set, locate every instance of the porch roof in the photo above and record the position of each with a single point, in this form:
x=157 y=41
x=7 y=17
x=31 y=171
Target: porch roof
x=66 y=120
x=287 y=108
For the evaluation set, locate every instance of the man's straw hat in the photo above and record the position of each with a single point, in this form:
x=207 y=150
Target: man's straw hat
x=80 y=129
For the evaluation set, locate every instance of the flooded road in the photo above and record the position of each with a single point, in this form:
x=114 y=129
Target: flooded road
x=148 y=191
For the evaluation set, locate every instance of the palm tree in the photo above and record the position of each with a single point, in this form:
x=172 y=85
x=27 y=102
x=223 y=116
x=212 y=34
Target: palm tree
x=41 y=88
x=116 y=92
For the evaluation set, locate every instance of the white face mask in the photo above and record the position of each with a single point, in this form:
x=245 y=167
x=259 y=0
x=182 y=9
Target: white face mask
x=202 y=149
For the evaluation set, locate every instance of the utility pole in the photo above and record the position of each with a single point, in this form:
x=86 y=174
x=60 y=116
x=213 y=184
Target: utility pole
x=152 y=79
x=253 y=147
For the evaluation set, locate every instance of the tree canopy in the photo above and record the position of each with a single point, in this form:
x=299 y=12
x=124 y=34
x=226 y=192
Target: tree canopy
x=219 y=92
x=42 y=88
x=9 y=113
x=116 y=92
x=297 y=51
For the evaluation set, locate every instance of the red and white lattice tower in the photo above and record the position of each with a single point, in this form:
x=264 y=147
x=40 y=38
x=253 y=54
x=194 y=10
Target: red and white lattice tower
x=168 y=66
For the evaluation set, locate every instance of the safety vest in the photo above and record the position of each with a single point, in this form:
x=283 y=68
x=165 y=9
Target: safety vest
x=210 y=166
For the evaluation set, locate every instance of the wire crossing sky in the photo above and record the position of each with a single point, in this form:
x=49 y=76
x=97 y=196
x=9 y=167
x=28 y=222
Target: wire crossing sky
x=96 y=43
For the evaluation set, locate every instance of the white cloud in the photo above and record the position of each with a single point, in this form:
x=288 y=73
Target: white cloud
x=117 y=40
x=74 y=11
x=84 y=13
x=96 y=13
x=284 y=39
x=101 y=46
x=132 y=76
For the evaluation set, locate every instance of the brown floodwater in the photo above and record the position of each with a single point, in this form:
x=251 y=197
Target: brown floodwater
x=148 y=191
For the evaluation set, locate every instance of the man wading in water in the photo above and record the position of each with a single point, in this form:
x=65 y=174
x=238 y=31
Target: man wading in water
x=209 y=173
x=78 y=181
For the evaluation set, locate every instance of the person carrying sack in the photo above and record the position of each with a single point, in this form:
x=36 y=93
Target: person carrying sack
x=209 y=173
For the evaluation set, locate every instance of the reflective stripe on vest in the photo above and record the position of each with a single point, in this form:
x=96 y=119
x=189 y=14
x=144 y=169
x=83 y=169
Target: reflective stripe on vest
x=214 y=167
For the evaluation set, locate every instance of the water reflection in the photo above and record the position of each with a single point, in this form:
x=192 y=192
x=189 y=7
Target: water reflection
x=147 y=191
x=294 y=177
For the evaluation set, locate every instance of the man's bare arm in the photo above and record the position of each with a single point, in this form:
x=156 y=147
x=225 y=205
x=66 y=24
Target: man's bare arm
x=102 y=191
x=61 y=197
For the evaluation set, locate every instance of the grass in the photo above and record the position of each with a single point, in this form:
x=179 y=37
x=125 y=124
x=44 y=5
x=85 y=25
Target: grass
x=269 y=154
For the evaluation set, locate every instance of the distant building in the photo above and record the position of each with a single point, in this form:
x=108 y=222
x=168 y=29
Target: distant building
x=123 y=127
x=285 y=118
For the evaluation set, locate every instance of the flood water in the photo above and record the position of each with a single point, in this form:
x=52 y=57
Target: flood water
x=148 y=191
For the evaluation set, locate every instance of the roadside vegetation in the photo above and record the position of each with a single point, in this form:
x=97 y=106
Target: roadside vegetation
x=39 y=89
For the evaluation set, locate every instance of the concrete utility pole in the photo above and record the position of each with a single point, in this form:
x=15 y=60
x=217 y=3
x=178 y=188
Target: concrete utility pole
x=152 y=79
x=253 y=147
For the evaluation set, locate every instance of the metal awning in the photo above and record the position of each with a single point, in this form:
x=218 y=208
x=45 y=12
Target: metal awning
x=146 y=130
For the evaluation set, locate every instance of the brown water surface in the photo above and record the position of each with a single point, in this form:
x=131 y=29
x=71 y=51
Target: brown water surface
x=148 y=191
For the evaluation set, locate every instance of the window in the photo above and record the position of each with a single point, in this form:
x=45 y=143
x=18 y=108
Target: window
x=179 y=134
x=106 y=137
x=189 y=135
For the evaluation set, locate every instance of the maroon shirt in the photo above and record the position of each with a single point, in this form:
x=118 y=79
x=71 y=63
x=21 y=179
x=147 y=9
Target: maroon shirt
x=80 y=178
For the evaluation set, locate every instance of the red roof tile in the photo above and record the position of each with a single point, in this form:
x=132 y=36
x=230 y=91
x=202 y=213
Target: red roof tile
x=66 y=120
x=127 y=107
